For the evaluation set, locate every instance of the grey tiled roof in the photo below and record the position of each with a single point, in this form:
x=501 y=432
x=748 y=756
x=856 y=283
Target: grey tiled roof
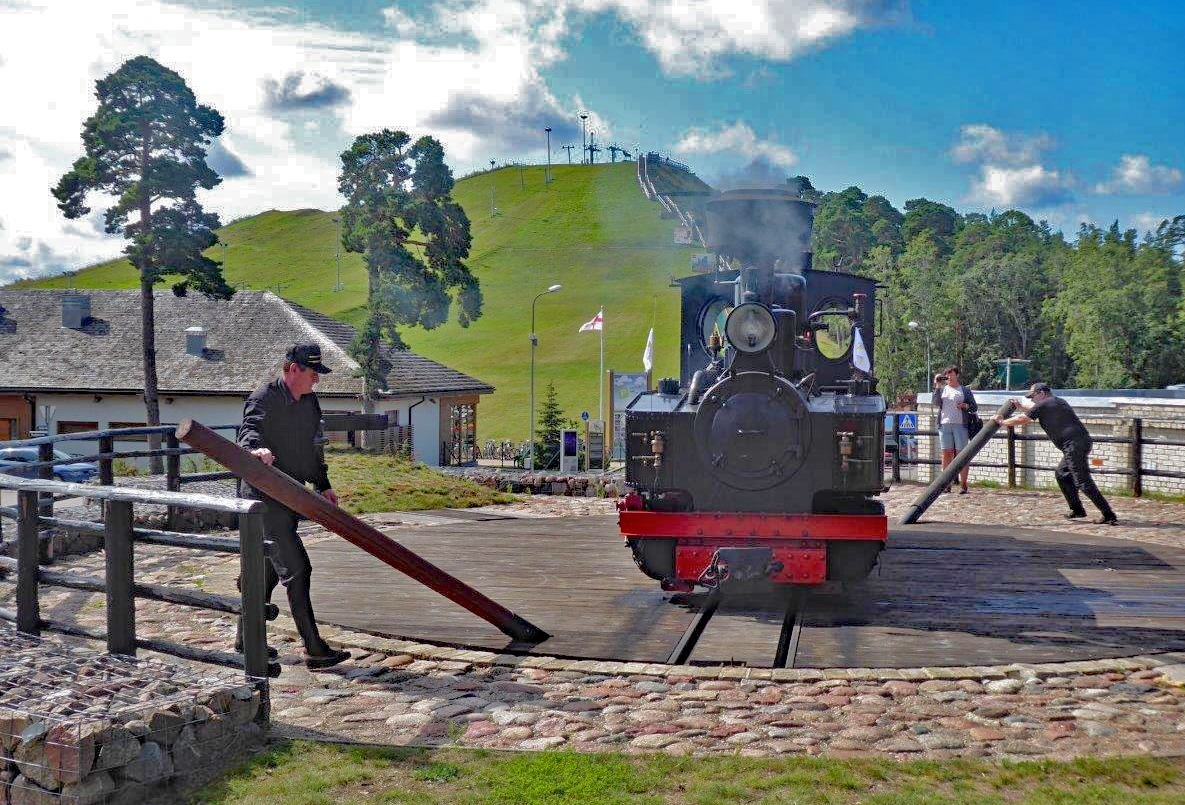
x=246 y=338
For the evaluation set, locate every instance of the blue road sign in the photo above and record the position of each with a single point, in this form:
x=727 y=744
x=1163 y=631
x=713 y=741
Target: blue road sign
x=909 y=422
x=584 y=415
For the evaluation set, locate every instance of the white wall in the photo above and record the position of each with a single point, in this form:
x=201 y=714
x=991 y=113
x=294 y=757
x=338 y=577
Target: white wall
x=108 y=408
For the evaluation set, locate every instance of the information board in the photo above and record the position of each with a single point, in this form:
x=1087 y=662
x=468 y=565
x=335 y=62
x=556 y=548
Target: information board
x=625 y=386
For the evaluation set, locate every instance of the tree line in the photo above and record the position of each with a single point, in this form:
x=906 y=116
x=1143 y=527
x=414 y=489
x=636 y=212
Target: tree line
x=1106 y=310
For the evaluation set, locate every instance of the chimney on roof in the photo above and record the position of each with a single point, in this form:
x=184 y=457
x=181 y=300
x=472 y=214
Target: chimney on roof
x=76 y=309
x=195 y=341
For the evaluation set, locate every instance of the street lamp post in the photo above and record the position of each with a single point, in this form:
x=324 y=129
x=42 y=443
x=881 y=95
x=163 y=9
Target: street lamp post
x=535 y=343
x=493 y=209
x=913 y=325
x=548 y=130
x=337 y=255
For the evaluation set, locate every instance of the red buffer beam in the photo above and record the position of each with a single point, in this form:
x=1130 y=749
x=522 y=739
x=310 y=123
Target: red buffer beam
x=282 y=488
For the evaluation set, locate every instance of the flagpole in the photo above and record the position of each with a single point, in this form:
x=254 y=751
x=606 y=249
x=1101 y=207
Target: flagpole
x=601 y=375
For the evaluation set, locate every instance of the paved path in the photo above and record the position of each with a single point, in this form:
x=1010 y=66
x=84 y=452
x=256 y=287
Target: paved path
x=399 y=693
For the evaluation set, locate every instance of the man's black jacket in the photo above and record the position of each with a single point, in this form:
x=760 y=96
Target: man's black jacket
x=290 y=428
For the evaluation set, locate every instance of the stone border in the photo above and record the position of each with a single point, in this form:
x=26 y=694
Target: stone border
x=460 y=660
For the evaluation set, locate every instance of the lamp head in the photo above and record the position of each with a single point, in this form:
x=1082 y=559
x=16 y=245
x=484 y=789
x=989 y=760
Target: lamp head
x=554 y=288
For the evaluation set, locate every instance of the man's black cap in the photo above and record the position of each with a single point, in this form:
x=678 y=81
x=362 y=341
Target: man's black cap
x=308 y=356
x=1036 y=387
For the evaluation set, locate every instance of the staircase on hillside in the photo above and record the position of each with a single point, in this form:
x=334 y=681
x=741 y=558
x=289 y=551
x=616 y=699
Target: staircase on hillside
x=662 y=179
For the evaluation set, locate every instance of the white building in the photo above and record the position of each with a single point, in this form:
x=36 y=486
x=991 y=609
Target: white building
x=72 y=361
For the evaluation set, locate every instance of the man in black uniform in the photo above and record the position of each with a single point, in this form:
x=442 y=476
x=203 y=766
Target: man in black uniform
x=282 y=427
x=1064 y=429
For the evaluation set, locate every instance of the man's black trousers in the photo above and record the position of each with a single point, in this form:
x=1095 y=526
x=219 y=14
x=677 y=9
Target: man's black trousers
x=288 y=563
x=1073 y=474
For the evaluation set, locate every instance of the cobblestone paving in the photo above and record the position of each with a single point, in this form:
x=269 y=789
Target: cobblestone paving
x=400 y=693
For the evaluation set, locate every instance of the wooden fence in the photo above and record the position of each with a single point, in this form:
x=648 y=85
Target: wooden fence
x=1135 y=471
x=119 y=581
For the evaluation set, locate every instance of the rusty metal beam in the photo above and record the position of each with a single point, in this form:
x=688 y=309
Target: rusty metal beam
x=284 y=489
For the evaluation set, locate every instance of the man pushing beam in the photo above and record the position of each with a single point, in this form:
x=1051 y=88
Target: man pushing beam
x=282 y=428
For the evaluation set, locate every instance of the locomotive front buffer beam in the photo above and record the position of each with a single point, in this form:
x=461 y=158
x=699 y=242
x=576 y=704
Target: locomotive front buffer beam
x=713 y=548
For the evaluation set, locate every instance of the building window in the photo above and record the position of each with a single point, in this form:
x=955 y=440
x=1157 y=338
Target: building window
x=76 y=427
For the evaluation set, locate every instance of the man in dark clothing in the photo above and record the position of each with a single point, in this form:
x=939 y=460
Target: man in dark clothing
x=1064 y=429
x=282 y=427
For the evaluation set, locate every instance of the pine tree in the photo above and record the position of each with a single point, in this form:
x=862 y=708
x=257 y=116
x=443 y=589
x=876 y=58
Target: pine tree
x=547 y=432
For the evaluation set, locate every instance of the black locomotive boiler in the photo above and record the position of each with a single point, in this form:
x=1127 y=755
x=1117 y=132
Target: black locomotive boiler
x=762 y=462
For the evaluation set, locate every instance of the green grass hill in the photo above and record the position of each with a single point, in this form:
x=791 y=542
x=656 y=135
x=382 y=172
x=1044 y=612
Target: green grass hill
x=592 y=230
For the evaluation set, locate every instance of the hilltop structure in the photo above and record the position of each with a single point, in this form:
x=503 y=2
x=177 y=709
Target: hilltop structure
x=73 y=364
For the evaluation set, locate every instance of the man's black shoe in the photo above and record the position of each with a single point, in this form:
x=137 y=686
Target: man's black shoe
x=1112 y=520
x=271 y=652
x=1074 y=515
x=318 y=661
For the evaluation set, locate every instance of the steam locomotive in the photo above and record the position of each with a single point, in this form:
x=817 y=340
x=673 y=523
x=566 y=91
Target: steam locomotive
x=761 y=463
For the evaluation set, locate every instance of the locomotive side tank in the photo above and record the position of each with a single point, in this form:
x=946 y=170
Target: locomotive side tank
x=763 y=460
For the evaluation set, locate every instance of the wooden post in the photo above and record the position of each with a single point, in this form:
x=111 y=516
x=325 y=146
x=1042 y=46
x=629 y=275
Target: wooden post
x=288 y=492
x=121 y=594
x=1012 y=458
x=1136 y=457
x=172 y=477
x=106 y=465
x=28 y=610
x=252 y=580
x=45 y=453
x=897 y=448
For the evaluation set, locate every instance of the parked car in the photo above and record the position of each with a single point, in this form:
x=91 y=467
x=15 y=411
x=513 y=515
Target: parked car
x=18 y=461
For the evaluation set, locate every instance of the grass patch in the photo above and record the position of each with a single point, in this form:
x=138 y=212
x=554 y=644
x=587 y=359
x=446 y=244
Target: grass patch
x=368 y=482
x=302 y=773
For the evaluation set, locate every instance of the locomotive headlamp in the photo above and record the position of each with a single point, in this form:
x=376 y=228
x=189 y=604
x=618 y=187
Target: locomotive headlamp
x=750 y=327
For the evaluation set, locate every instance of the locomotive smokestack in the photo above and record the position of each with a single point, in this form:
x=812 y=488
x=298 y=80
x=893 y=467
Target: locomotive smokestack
x=763 y=229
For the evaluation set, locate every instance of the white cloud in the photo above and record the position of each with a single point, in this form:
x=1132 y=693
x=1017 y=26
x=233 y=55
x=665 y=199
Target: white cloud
x=739 y=139
x=1025 y=186
x=690 y=37
x=1010 y=170
x=1136 y=175
x=981 y=143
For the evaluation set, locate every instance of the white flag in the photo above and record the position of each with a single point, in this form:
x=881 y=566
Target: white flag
x=648 y=353
x=859 y=353
x=597 y=322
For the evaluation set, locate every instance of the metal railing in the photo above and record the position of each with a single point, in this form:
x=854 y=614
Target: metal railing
x=119 y=581
x=1135 y=471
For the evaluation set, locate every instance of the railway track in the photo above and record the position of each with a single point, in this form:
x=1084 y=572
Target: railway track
x=761 y=631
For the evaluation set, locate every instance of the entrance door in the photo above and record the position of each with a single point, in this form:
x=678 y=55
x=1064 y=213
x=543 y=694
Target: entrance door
x=7 y=429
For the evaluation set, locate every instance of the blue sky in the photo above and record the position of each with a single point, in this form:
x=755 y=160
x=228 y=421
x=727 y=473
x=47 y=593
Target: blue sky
x=1068 y=111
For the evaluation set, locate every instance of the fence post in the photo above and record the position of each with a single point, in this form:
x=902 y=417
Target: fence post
x=897 y=448
x=172 y=476
x=1136 y=457
x=45 y=453
x=1012 y=458
x=28 y=610
x=106 y=465
x=252 y=579
x=121 y=594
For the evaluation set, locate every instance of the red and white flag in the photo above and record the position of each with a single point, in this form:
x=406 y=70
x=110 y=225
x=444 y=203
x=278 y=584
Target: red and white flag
x=596 y=323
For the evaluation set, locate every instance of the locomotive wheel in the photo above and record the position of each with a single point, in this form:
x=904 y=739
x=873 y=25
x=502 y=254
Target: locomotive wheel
x=655 y=557
x=851 y=560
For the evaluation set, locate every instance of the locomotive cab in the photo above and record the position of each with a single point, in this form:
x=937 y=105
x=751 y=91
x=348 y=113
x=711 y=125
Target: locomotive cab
x=763 y=460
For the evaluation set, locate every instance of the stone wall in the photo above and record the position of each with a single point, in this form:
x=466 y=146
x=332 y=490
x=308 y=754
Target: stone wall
x=81 y=727
x=1160 y=421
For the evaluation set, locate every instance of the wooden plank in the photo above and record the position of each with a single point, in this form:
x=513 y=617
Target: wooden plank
x=252 y=575
x=187 y=499
x=288 y=492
